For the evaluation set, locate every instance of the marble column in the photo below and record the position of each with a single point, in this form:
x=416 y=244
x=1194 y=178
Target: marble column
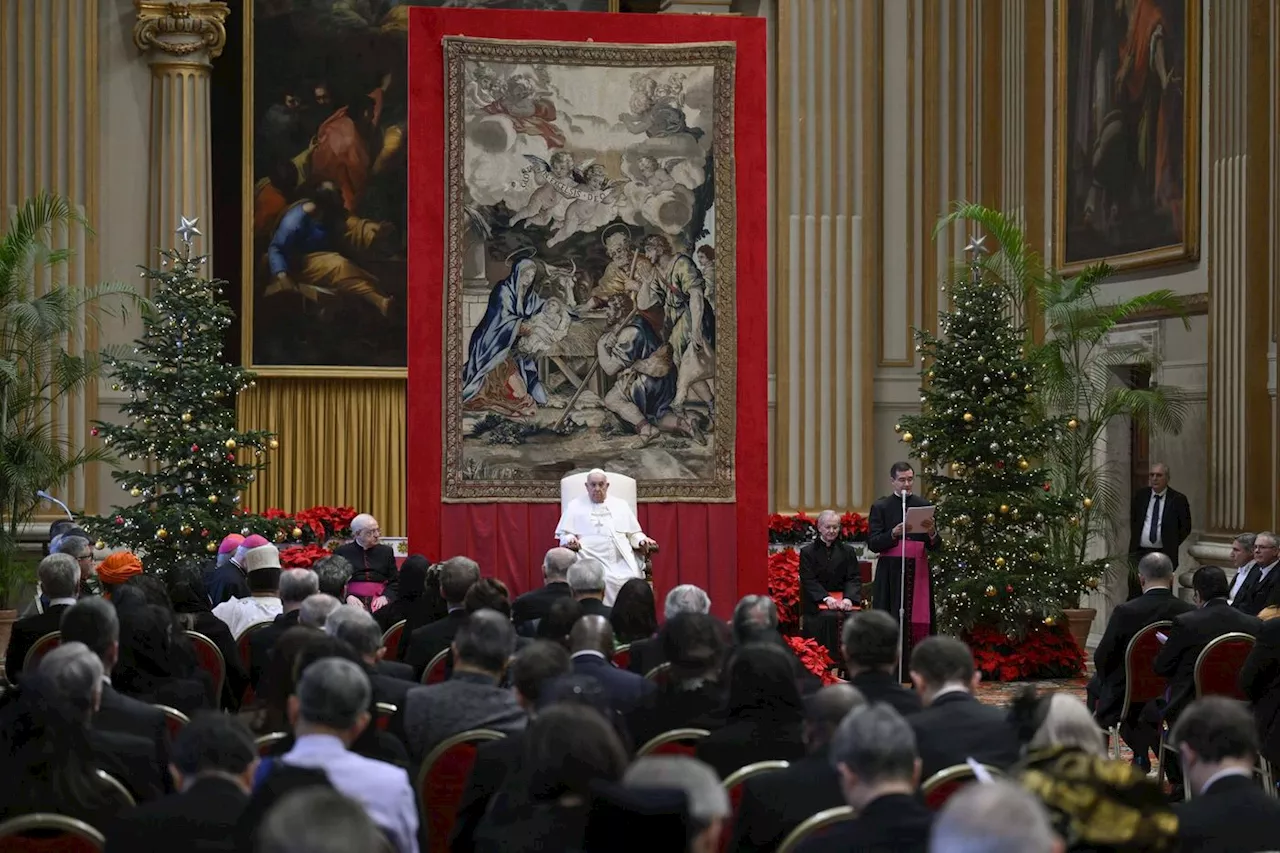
x=180 y=40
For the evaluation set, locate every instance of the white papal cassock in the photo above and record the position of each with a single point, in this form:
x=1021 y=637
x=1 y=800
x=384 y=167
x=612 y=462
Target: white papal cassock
x=608 y=532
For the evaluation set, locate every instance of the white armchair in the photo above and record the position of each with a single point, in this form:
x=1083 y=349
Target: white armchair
x=620 y=486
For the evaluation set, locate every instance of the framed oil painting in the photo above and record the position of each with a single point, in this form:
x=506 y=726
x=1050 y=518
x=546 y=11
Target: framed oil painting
x=1127 y=121
x=325 y=236
x=589 y=293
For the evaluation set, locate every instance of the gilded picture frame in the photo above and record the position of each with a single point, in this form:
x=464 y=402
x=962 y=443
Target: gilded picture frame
x=1126 y=178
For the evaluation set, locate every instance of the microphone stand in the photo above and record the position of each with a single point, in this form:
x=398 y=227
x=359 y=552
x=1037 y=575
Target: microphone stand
x=902 y=590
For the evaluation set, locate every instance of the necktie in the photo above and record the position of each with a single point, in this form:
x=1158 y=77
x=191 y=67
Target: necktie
x=1153 y=529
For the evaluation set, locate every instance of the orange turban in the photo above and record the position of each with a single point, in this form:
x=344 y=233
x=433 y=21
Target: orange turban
x=119 y=567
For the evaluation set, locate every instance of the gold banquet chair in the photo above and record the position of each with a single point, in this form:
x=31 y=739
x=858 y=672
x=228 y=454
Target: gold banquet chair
x=620 y=486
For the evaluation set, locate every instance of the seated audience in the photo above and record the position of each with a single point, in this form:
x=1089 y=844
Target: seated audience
x=117 y=568
x=763 y=717
x=1263 y=579
x=998 y=817
x=230 y=579
x=587 y=582
x=329 y=711
x=1241 y=559
x=691 y=694
x=954 y=726
x=544 y=805
x=50 y=756
x=213 y=763
x=59 y=576
x=457 y=576
x=318 y=820
x=296 y=586
x=418 y=601
x=874 y=753
x=1094 y=803
x=472 y=697
x=358 y=629
x=532 y=670
x=1218 y=748
x=646 y=654
x=269 y=711
x=73 y=542
x=755 y=620
x=375 y=574
x=563 y=614
x=263 y=602
x=156 y=661
x=591 y=646
x=334 y=573
x=1260 y=681
x=633 y=616
x=191 y=605
x=775 y=803
x=93 y=621
x=315 y=610
x=707 y=804
x=871 y=653
x=1106 y=691
x=533 y=605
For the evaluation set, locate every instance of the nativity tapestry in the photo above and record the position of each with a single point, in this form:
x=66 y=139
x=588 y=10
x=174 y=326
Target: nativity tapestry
x=589 y=292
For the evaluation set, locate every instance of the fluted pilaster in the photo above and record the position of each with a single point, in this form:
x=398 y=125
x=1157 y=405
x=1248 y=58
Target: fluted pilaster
x=180 y=40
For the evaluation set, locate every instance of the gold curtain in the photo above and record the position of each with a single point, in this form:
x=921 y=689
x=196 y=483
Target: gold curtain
x=342 y=443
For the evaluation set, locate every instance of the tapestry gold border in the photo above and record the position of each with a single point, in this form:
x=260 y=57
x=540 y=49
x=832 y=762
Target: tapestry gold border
x=721 y=56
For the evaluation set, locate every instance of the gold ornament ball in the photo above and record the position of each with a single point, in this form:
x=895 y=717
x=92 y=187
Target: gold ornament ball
x=162 y=533
x=1034 y=556
x=1092 y=583
x=279 y=535
x=990 y=591
x=968 y=417
x=1074 y=521
x=1073 y=423
x=1023 y=464
x=991 y=517
x=1050 y=621
x=273 y=444
x=1004 y=508
x=897 y=427
x=212 y=547
x=1026 y=388
x=186 y=529
x=1088 y=502
x=213 y=499
x=135 y=491
x=1000 y=561
x=982 y=359
x=930 y=374
x=906 y=437
x=297 y=532
x=186 y=417
x=100 y=545
x=1013 y=512
x=230 y=444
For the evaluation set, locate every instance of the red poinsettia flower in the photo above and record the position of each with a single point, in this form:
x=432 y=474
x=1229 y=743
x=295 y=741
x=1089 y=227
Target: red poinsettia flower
x=1043 y=652
x=815 y=658
x=302 y=556
x=784 y=586
x=854 y=526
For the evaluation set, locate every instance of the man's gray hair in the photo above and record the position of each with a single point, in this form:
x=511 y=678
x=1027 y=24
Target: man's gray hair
x=877 y=744
x=59 y=575
x=70 y=544
x=685 y=598
x=315 y=610
x=333 y=572
x=700 y=784
x=362 y=522
x=1245 y=541
x=333 y=692
x=297 y=585
x=1156 y=567
x=354 y=626
x=754 y=615
x=72 y=674
x=555 y=565
x=1162 y=466
x=486 y=640
x=318 y=820
x=586 y=575
x=1269 y=536
x=1069 y=723
x=826 y=513
x=997 y=817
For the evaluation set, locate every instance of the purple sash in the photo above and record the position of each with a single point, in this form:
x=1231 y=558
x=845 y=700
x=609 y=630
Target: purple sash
x=920 y=616
x=365 y=589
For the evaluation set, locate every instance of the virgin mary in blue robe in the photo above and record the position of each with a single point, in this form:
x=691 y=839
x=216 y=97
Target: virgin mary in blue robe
x=511 y=301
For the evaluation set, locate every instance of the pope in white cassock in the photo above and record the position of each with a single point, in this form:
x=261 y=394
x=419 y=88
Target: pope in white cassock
x=596 y=525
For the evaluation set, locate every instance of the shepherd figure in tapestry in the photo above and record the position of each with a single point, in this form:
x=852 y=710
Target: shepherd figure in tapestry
x=590 y=196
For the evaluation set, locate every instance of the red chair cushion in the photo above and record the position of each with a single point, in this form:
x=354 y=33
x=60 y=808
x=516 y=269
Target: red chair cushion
x=1142 y=682
x=47 y=841
x=676 y=747
x=1220 y=669
x=210 y=661
x=442 y=793
x=937 y=798
x=393 y=641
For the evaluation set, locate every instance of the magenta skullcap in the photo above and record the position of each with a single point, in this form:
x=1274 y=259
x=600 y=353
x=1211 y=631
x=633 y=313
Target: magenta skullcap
x=230 y=542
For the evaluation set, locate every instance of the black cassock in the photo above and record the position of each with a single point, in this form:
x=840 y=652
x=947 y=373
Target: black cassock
x=824 y=570
x=886 y=514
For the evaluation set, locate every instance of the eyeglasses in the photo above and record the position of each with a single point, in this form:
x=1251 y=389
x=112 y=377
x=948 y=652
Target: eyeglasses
x=85 y=557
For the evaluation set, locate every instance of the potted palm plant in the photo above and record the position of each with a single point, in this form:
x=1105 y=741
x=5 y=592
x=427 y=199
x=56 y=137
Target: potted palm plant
x=42 y=363
x=1077 y=365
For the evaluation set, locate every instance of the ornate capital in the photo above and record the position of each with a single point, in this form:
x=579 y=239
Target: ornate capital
x=188 y=30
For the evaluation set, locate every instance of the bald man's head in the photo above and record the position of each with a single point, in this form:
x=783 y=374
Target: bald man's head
x=824 y=711
x=592 y=634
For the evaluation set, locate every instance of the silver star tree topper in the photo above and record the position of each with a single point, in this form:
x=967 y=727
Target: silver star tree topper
x=187 y=229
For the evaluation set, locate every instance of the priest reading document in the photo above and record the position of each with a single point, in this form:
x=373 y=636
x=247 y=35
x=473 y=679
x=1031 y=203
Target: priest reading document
x=596 y=525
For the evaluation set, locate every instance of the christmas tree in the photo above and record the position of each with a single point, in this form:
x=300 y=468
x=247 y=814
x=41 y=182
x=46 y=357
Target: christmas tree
x=189 y=462
x=982 y=433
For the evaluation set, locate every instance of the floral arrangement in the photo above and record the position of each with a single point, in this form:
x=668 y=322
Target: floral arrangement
x=1045 y=651
x=317 y=524
x=815 y=658
x=302 y=556
x=800 y=528
x=327 y=522
x=784 y=587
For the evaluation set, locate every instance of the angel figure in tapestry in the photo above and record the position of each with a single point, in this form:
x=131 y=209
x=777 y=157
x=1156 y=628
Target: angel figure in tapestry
x=595 y=209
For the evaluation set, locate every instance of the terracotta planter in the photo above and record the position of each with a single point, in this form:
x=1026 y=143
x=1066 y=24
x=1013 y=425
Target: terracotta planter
x=7 y=618
x=1079 y=621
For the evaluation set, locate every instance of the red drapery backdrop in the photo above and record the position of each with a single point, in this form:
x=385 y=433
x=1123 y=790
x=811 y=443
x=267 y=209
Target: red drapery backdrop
x=719 y=547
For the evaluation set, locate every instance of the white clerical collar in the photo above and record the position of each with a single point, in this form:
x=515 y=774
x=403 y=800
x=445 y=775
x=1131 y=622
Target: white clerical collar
x=900 y=495
x=1222 y=774
x=588 y=653
x=56 y=601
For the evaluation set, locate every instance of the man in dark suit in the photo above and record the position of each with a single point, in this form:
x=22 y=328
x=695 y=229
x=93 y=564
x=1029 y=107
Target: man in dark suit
x=1106 y=691
x=875 y=756
x=213 y=764
x=296 y=585
x=93 y=621
x=591 y=647
x=886 y=529
x=59 y=576
x=534 y=604
x=587 y=581
x=1260 y=586
x=1260 y=681
x=871 y=653
x=954 y=726
x=1218 y=747
x=775 y=803
x=374 y=571
x=357 y=628
x=1159 y=519
x=827 y=566
x=457 y=575
x=648 y=654
x=1194 y=630
x=691 y=695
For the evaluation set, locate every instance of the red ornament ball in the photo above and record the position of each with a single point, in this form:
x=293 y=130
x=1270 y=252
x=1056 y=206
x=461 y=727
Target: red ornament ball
x=231 y=457
x=119 y=519
x=999 y=464
x=1009 y=588
x=1047 y=485
x=195 y=448
x=94 y=432
x=204 y=531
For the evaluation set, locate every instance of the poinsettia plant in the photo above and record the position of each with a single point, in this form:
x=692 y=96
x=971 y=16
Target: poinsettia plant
x=815 y=658
x=800 y=528
x=1044 y=651
x=784 y=587
x=302 y=556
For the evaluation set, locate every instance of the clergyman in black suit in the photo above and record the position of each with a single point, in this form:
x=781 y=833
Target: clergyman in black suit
x=1260 y=681
x=886 y=531
x=1217 y=746
x=533 y=605
x=871 y=653
x=213 y=764
x=828 y=565
x=1260 y=586
x=1105 y=693
x=59 y=576
x=1159 y=519
x=775 y=803
x=457 y=576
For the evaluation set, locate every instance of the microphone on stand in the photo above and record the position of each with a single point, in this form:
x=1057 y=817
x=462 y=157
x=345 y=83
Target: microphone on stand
x=43 y=495
x=902 y=589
